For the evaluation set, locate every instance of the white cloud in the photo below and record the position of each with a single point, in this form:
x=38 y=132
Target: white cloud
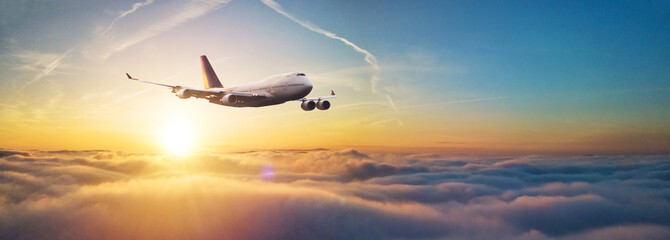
x=79 y=194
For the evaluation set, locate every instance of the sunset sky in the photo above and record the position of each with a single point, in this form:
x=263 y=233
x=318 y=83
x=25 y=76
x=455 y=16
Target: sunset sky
x=447 y=76
x=453 y=120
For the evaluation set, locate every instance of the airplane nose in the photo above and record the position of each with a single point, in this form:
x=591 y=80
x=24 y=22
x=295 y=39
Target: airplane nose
x=308 y=86
x=308 y=83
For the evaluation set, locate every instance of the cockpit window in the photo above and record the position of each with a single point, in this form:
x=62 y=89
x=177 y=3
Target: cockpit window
x=300 y=74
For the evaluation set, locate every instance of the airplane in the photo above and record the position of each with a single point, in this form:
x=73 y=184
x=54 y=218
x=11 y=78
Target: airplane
x=273 y=90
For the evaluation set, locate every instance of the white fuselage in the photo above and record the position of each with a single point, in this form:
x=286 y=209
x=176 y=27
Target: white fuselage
x=277 y=89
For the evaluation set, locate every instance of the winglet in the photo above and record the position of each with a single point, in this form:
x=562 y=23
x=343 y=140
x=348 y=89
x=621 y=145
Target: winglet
x=332 y=93
x=131 y=78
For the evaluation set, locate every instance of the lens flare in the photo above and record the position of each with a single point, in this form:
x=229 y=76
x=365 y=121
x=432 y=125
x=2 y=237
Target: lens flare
x=268 y=173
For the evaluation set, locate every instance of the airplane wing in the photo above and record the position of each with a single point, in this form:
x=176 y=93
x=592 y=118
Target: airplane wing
x=332 y=95
x=201 y=93
x=161 y=84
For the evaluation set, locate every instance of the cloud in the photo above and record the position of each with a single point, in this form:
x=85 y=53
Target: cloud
x=625 y=232
x=331 y=194
x=367 y=170
x=213 y=208
x=10 y=153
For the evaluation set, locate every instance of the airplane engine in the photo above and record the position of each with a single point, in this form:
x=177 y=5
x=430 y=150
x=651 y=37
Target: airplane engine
x=229 y=100
x=308 y=105
x=184 y=93
x=323 y=105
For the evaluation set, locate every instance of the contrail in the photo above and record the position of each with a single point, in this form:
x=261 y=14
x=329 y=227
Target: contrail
x=185 y=12
x=369 y=58
x=123 y=14
x=53 y=65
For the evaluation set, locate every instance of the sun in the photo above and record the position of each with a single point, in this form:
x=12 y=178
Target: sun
x=178 y=136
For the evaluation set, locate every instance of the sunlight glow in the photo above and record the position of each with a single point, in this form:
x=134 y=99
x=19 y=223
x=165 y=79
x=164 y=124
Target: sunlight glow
x=178 y=136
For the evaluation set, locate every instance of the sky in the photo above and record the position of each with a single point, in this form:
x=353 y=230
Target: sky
x=453 y=120
x=441 y=76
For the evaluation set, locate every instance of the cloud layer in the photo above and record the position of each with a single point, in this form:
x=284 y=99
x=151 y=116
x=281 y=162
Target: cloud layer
x=323 y=194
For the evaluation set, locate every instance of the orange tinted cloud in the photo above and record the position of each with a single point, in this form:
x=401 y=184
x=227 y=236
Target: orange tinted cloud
x=323 y=194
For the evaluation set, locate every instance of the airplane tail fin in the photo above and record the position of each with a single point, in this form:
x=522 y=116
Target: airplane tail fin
x=210 y=78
